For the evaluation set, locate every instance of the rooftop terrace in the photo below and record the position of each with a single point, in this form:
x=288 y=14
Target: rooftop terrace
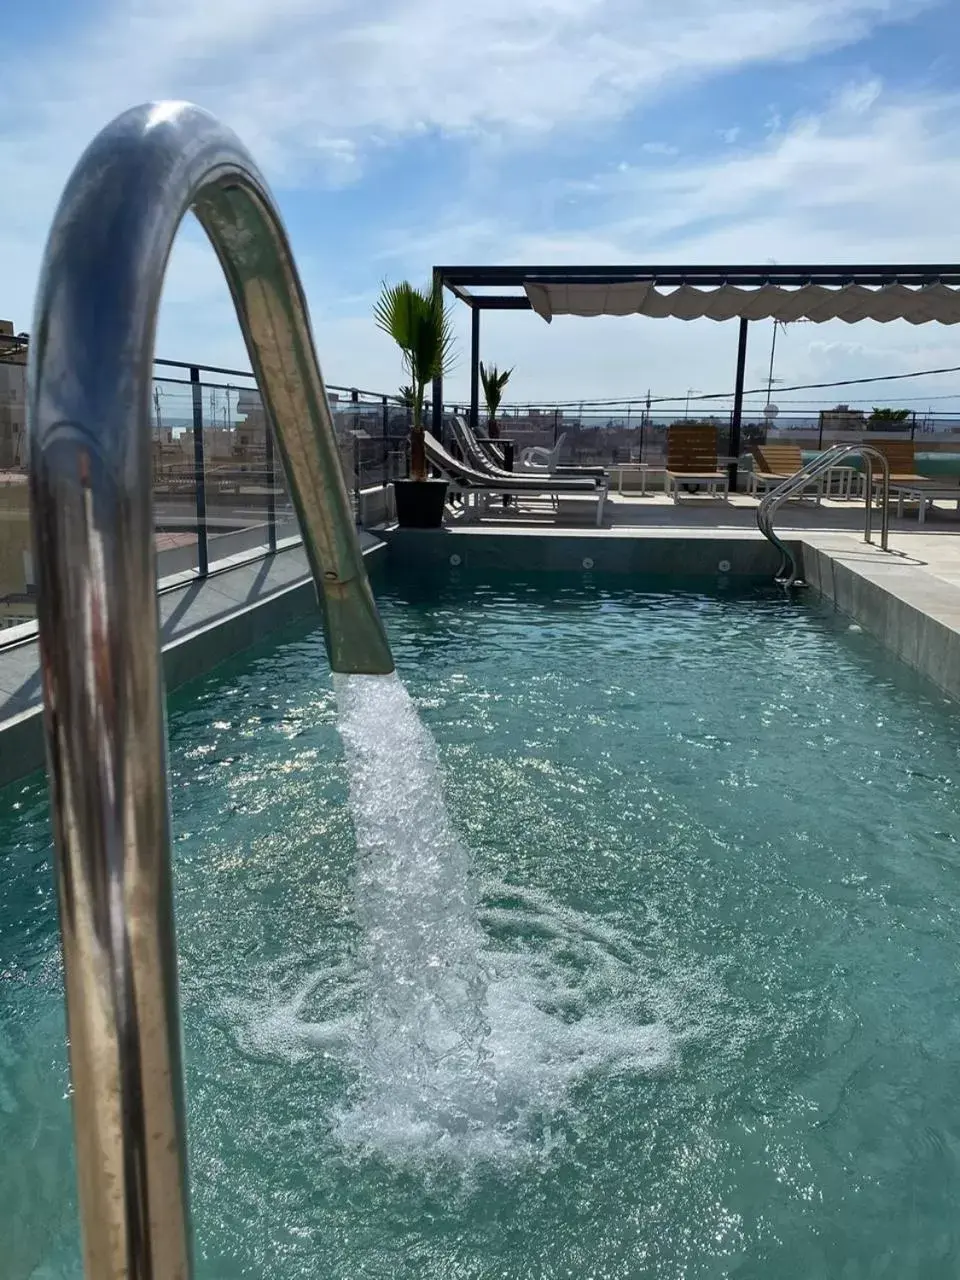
x=230 y=565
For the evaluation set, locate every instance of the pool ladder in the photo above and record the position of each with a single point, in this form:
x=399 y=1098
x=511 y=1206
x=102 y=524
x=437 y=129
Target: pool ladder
x=788 y=572
x=90 y=436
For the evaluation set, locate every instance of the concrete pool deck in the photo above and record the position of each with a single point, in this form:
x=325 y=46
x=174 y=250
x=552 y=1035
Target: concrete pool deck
x=908 y=598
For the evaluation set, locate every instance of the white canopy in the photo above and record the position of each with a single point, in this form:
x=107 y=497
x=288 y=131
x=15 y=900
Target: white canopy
x=853 y=302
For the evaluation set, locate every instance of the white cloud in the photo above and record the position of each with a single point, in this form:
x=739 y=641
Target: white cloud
x=315 y=86
x=302 y=80
x=844 y=186
x=859 y=98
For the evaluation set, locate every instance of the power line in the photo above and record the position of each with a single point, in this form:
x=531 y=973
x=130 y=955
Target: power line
x=726 y=395
x=854 y=382
x=887 y=400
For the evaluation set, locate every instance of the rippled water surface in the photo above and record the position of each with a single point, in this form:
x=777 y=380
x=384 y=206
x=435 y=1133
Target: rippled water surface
x=697 y=1016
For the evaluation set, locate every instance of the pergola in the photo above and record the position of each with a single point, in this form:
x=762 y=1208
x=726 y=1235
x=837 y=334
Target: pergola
x=918 y=294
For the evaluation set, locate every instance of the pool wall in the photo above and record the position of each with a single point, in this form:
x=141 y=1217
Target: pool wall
x=646 y=552
x=205 y=622
x=915 y=614
x=909 y=610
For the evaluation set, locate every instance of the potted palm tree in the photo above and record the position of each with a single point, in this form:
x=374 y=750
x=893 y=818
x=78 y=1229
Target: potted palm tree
x=494 y=382
x=420 y=325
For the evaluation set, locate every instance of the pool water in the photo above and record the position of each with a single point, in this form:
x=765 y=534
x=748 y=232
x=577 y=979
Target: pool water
x=714 y=849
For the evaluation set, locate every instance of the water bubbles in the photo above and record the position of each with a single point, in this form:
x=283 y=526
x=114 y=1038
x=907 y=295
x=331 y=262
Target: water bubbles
x=469 y=1025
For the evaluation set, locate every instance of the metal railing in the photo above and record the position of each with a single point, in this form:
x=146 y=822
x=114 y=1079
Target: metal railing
x=217 y=480
x=90 y=426
x=219 y=489
x=788 y=572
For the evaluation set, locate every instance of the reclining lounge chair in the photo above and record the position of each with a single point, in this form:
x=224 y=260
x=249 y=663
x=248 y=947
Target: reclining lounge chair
x=477 y=487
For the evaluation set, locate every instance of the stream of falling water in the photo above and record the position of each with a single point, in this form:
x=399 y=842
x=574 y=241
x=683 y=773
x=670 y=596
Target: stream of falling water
x=457 y=1044
x=424 y=1055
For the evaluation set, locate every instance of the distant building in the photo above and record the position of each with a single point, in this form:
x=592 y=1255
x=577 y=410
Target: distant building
x=250 y=440
x=13 y=395
x=16 y=565
x=843 y=418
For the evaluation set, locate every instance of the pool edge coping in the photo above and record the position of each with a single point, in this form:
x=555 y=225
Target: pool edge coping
x=913 y=613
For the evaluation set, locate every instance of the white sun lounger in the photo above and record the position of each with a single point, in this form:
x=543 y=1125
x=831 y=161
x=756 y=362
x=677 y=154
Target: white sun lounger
x=477 y=488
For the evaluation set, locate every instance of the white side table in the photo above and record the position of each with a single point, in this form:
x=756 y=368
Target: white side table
x=641 y=467
x=845 y=479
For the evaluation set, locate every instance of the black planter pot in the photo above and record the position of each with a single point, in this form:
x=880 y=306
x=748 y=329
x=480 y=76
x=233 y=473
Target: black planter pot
x=420 y=503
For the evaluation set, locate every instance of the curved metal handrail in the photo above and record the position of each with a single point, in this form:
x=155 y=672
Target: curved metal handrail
x=788 y=572
x=92 y=515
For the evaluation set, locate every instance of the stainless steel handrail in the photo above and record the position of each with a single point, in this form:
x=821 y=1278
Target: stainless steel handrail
x=788 y=572
x=92 y=515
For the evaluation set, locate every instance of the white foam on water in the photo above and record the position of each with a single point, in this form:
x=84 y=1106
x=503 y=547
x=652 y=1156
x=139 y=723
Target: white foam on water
x=463 y=1050
x=466 y=1028
x=278 y=1028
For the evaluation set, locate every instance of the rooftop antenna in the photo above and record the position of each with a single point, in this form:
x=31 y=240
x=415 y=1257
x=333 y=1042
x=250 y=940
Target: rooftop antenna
x=773 y=352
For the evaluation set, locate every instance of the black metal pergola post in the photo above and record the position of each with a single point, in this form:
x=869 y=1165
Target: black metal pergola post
x=474 y=369
x=436 y=412
x=737 y=416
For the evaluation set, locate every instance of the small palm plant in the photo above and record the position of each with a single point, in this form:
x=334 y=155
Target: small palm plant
x=420 y=325
x=494 y=382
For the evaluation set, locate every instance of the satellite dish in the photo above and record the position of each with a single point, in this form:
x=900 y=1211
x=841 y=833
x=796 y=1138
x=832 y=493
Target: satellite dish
x=770 y=410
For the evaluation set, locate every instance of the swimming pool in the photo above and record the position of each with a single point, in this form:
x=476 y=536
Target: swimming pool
x=714 y=844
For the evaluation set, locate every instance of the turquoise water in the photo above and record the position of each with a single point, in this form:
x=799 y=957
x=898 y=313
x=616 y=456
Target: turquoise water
x=714 y=850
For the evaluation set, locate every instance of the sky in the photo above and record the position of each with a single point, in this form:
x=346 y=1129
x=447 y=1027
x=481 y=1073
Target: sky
x=398 y=134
